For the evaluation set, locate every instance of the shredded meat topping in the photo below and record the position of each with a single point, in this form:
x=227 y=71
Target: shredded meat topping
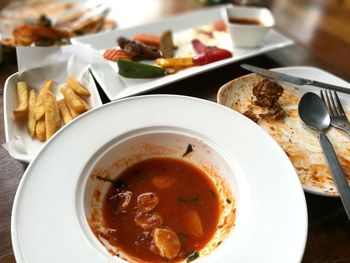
x=276 y=113
x=251 y=115
x=267 y=93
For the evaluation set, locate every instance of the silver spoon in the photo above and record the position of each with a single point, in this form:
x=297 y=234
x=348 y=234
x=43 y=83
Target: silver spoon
x=313 y=112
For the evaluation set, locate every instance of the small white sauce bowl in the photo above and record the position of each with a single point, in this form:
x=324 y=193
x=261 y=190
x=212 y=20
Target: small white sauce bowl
x=248 y=35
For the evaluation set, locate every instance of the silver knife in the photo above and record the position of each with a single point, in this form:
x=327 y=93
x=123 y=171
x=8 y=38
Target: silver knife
x=295 y=80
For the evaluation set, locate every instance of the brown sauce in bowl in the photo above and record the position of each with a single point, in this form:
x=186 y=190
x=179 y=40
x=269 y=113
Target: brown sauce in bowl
x=246 y=21
x=161 y=210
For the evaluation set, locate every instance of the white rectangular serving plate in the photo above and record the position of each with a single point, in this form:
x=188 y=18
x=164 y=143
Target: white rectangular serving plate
x=19 y=143
x=115 y=87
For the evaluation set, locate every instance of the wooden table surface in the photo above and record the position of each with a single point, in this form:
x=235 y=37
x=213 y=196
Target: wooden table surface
x=326 y=45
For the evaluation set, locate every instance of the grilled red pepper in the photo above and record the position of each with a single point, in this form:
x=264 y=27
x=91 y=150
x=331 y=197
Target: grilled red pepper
x=199 y=47
x=207 y=54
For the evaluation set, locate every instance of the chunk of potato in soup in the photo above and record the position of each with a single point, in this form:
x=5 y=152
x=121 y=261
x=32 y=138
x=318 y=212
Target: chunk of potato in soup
x=162 y=222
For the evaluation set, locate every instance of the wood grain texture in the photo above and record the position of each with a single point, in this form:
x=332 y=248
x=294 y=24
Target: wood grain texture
x=11 y=172
x=323 y=43
x=320 y=26
x=8 y=258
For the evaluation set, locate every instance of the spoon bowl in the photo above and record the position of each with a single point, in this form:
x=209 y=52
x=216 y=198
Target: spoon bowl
x=313 y=112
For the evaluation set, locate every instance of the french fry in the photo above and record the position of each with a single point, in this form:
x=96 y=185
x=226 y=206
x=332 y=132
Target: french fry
x=22 y=96
x=66 y=115
x=52 y=115
x=77 y=87
x=31 y=113
x=72 y=99
x=86 y=105
x=40 y=130
x=58 y=119
x=40 y=103
x=72 y=111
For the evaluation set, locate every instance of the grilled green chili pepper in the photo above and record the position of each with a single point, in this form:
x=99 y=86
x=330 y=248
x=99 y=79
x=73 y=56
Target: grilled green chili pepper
x=132 y=69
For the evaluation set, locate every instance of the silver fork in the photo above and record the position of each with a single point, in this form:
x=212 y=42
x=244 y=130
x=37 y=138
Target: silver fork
x=336 y=111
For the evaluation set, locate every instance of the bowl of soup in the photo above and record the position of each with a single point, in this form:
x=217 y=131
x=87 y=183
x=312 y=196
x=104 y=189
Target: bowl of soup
x=248 y=26
x=159 y=194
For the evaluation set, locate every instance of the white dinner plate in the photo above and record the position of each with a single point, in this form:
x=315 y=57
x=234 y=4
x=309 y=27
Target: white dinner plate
x=299 y=141
x=106 y=73
x=271 y=226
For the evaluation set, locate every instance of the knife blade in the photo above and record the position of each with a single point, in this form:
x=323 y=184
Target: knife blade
x=295 y=80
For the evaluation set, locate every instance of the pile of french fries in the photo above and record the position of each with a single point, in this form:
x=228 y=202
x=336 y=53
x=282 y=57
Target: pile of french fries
x=43 y=113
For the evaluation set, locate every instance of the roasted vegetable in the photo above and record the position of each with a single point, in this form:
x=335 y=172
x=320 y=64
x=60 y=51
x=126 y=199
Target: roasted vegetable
x=167 y=243
x=132 y=69
x=211 y=56
x=114 y=54
x=151 y=40
x=166 y=45
x=193 y=223
x=198 y=46
x=137 y=50
x=208 y=54
x=175 y=62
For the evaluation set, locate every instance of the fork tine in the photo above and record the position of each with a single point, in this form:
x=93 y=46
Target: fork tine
x=325 y=97
x=338 y=104
x=322 y=96
x=332 y=103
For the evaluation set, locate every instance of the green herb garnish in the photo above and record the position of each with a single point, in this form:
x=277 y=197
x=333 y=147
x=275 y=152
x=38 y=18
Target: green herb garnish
x=188 y=200
x=105 y=179
x=183 y=235
x=117 y=183
x=194 y=255
x=188 y=150
x=140 y=173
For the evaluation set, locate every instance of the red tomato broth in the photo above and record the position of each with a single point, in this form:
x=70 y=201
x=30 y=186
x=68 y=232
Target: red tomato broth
x=191 y=190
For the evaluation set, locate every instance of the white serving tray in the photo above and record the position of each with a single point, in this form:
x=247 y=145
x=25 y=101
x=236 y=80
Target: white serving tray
x=115 y=87
x=19 y=143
